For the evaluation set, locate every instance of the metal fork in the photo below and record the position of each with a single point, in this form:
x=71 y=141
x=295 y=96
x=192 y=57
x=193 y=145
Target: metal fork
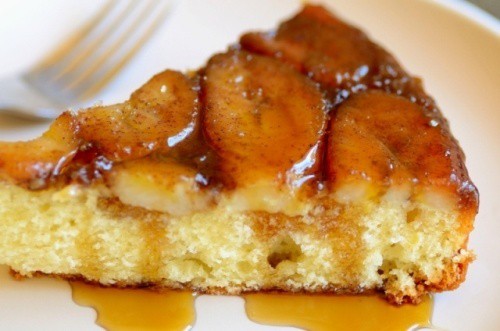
x=81 y=67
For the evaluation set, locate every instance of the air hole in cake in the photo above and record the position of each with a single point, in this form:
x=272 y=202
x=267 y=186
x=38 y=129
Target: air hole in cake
x=200 y=263
x=285 y=250
x=385 y=268
x=412 y=215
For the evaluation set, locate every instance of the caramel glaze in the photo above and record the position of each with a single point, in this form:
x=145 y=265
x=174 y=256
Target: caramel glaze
x=354 y=113
x=142 y=309
x=338 y=56
x=336 y=312
x=263 y=119
x=407 y=140
x=137 y=309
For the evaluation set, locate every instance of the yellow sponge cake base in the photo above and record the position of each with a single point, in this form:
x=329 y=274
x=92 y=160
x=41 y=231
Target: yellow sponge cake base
x=400 y=249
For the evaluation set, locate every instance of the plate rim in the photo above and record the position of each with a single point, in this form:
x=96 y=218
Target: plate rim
x=470 y=13
x=468 y=10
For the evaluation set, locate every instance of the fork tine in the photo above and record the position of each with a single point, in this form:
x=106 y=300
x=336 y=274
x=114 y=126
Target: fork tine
x=112 y=46
x=69 y=47
x=94 y=58
x=88 y=88
x=89 y=44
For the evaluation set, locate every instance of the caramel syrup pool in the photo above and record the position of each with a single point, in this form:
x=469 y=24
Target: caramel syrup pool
x=339 y=313
x=138 y=309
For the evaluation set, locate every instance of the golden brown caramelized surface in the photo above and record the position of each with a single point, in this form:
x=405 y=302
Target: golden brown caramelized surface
x=33 y=161
x=157 y=117
x=385 y=139
x=85 y=145
x=263 y=118
x=337 y=55
x=315 y=101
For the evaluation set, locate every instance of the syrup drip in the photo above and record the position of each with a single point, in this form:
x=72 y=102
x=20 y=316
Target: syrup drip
x=140 y=309
x=325 y=313
x=137 y=309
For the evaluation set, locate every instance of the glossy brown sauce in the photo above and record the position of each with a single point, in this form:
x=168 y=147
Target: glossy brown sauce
x=237 y=118
x=137 y=309
x=140 y=309
x=340 y=313
x=337 y=55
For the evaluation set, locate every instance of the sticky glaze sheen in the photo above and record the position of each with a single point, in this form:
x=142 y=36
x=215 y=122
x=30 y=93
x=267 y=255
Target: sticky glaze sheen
x=249 y=117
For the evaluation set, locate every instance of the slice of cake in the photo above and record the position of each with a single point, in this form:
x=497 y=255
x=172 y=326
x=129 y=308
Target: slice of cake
x=304 y=160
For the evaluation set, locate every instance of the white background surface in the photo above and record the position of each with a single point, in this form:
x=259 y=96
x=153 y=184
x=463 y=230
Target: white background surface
x=458 y=58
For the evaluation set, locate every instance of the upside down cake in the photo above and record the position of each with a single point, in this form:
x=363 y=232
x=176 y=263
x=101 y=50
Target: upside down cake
x=301 y=159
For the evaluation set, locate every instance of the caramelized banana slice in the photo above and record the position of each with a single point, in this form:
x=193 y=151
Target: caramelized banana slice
x=337 y=55
x=162 y=185
x=34 y=162
x=327 y=49
x=263 y=118
x=159 y=115
x=384 y=144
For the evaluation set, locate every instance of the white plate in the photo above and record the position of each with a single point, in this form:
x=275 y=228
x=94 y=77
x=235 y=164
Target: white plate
x=452 y=45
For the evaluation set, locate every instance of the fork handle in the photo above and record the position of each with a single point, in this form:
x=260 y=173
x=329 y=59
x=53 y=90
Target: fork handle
x=19 y=98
